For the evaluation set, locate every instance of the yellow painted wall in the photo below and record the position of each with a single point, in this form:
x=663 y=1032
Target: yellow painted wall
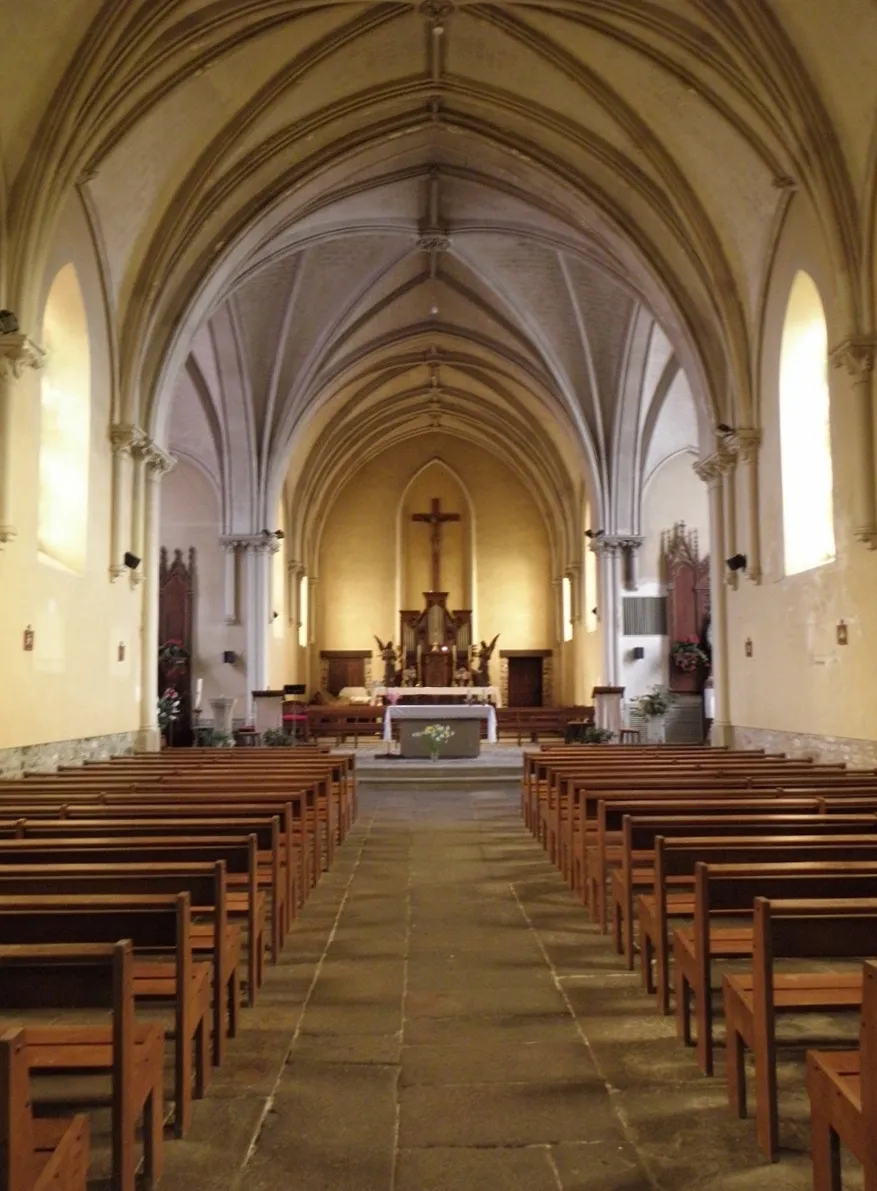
x=356 y=597
x=73 y=684
x=799 y=679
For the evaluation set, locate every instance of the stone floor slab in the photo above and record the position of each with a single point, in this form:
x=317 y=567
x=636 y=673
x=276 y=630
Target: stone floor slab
x=452 y=1169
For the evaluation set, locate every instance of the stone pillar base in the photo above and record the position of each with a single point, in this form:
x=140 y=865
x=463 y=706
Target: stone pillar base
x=147 y=740
x=722 y=736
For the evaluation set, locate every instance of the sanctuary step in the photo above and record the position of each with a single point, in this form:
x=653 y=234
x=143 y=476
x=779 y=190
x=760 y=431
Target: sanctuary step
x=500 y=768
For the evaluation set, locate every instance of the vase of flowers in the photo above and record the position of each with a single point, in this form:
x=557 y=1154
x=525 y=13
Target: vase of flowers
x=172 y=657
x=654 y=707
x=687 y=654
x=168 y=710
x=435 y=736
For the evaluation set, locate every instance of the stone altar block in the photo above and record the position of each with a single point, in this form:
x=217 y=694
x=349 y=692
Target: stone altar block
x=267 y=710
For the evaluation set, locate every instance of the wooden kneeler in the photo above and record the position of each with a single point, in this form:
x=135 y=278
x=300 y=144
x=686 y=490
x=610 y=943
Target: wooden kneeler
x=35 y=1155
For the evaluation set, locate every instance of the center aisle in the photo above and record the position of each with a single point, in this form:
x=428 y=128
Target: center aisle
x=453 y=1023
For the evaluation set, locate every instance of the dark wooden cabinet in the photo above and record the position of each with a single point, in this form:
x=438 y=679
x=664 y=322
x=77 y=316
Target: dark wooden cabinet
x=525 y=680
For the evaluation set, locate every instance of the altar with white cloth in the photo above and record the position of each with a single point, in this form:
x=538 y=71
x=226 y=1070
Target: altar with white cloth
x=464 y=721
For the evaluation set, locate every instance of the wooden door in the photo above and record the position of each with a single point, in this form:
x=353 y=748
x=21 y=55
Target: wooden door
x=344 y=672
x=525 y=682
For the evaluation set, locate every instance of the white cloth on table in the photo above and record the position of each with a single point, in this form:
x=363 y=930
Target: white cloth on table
x=439 y=712
x=479 y=693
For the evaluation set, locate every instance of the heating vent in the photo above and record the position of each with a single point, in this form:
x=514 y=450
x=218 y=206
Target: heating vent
x=645 y=616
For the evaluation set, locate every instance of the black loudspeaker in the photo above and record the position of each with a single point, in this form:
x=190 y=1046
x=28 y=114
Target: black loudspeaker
x=131 y=561
x=638 y=653
x=736 y=563
x=295 y=688
x=230 y=656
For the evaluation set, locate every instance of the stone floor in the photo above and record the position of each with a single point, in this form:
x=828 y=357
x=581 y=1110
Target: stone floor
x=444 y=1019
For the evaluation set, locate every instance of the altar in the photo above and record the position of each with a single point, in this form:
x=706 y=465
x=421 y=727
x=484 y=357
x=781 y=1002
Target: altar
x=464 y=721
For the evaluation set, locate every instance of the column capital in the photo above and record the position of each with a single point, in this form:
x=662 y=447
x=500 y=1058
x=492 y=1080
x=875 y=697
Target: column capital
x=713 y=467
x=436 y=11
x=857 y=354
x=250 y=543
x=124 y=438
x=158 y=462
x=623 y=541
x=18 y=353
x=747 y=443
x=605 y=547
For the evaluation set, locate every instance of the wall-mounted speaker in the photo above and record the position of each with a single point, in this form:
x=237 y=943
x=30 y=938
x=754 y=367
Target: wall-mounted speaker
x=736 y=563
x=230 y=656
x=131 y=561
x=637 y=653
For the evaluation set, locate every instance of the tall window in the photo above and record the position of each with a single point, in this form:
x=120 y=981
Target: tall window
x=303 y=611
x=567 y=608
x=65 y=416
x=805 y=432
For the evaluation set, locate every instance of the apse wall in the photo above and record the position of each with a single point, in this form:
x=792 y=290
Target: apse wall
x=76 y=693
x=356 y=596
x=801 y=690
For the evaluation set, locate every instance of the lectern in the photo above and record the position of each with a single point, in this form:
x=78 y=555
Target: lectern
x=608 y=708
x=267 y=710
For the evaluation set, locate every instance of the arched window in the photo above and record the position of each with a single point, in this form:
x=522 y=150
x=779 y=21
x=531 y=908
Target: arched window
x=65 y=418
x=805 y=432
x=303 y=611
x=567 y=608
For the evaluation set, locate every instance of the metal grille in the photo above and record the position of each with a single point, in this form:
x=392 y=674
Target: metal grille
x=645 y=616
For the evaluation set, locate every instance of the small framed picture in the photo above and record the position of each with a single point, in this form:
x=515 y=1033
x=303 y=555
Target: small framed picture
x=747 y=647
x=27 y=643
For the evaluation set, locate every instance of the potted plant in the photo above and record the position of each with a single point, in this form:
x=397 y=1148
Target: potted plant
x=276 y=738
x=213 y=738
x=587 y=733
x=168 y=710
x=654 y=707
x=687 y=654
x=436 y=735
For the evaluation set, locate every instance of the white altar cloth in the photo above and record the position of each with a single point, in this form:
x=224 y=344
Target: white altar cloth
x=479 y=693
x=440 y=711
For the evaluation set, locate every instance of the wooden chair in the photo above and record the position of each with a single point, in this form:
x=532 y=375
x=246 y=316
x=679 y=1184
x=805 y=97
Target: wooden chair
x=842 y=1086
x=35 y=1155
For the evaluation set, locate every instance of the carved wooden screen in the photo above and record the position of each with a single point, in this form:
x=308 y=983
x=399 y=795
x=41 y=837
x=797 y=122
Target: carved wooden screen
x=687 y=577
x=176 y=594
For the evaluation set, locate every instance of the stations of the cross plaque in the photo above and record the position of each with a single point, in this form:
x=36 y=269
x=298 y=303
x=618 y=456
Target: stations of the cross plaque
x=436 y=519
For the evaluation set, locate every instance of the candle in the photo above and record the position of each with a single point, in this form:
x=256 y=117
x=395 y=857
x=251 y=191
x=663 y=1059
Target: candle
x=199 y=687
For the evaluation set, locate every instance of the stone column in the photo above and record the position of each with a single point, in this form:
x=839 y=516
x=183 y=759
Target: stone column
x=123 y=438
x=139 y=452
x=728 y=463
x=230 y=579
x=747 y=442
x=857 y=356
x=609 y=605
x=158 y=464
x=580 y=693
x=17 y=353
x=257 y=551
x=711 y=471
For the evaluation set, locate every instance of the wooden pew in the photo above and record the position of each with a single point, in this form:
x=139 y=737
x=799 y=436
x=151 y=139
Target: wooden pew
x=35 y=1154
x=87 y=977
x=842 y=1087
x=637 y=870
x=815 y=929
x=164 y=971
x=731 y=890
x=206 y=887
x=246 y=902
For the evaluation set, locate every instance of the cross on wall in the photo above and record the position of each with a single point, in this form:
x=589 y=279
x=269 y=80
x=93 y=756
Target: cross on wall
x=436 y=518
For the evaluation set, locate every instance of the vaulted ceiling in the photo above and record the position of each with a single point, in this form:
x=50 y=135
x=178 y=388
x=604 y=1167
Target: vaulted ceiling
x=328 y=225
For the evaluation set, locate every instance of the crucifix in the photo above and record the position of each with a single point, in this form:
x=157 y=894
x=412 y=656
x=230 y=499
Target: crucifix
x=436 y=518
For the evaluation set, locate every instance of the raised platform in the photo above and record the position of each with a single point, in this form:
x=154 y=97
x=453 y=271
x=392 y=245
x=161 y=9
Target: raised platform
x=496 y=766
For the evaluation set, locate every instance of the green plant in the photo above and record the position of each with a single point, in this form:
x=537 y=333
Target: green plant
x=687 y=654
x=656 y=703
x=213 y=738
x=168 y=708
x=588 y=734
x=276 y=738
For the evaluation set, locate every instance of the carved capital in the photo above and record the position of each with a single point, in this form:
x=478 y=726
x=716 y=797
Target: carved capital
x=711 y=469
x=605 y=547
x=158 y=462
x=124 y=438
x=250 y=543
x=624 y=541
x=436 y=11
x=434 y=239
x=747 y=443
x=17 y=353
x=857 y=355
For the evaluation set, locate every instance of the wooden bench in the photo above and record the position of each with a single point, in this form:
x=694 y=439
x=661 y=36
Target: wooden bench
x=164 y=971
x=35 y=1154
x=829 y=929
x=206 y=887
x=730 y=891
x=530 y=723
x=842 y=1087
x=131 y=1053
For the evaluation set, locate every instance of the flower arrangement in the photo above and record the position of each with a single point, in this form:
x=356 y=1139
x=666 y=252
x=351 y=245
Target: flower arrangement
x=409 y=676
x=687 y=654
x=213 y=738
x=655 y=704
x=172 y=656
x=168 y=708
x=276 y=738
x=436 y=735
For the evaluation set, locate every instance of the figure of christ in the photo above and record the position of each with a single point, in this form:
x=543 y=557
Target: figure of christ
x=436 y=518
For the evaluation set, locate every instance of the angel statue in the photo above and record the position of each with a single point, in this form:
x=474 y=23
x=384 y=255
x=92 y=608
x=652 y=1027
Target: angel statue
x=485 y=653
x=388 y=657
